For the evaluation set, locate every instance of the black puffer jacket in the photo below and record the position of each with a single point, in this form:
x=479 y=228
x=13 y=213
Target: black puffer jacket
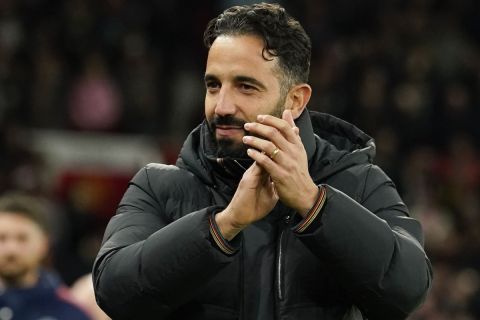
x=362 y=259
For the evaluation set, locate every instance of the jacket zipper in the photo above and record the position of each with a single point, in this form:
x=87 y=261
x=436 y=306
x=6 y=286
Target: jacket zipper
x=280 y=267
x=280 y=261
x=242 y=282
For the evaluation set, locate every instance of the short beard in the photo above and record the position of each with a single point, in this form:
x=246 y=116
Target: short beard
x=226 y=147
x=13 y=277
x=230 y=148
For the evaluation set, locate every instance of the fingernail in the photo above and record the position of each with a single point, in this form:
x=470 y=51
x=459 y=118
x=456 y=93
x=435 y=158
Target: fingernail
x=246 y=138
x=247 y=126
x=260 y=118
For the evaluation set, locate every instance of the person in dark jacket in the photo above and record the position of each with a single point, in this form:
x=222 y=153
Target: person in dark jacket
x=271 y=211
x=27 y=291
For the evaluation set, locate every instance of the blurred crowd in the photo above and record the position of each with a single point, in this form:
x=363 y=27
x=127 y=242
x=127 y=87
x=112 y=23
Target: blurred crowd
x=405 y=72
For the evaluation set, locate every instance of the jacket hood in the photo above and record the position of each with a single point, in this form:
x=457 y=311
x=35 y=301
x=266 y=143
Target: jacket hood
x=332 y=145
x=339 y=144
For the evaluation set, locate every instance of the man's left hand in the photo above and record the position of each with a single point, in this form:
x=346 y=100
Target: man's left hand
x=278 y=149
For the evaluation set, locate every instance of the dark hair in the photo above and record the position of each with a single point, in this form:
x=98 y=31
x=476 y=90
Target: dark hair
x=284 y=37
x=26 y=206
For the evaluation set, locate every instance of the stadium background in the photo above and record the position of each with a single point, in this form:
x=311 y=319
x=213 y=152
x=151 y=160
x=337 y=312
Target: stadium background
x=92 y=90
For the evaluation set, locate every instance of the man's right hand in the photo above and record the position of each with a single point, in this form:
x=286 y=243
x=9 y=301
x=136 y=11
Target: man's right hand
x=254 y=199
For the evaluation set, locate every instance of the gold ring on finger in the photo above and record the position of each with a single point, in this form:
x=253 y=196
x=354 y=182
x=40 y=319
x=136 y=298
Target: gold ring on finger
x=274 y=153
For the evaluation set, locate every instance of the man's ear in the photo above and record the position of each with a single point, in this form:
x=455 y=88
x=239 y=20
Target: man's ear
x=297 y=99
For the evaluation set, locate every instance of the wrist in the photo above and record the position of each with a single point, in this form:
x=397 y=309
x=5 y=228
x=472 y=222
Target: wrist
x=313 y=212
x=309 y=200
x=227 y=225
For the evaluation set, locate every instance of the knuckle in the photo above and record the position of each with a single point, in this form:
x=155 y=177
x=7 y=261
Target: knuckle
x=261 y=156
x=284 y=125
x=272 y=132
x=253 y=140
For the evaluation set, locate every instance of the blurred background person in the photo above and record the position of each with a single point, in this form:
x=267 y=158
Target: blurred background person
x=29 y=292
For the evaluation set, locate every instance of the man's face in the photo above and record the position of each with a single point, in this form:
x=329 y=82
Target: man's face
x=23 y=245
x=240 y=84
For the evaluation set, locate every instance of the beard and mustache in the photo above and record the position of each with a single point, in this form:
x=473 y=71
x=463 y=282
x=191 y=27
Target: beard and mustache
x=12 y=269
x=236 y=149
x=228 y=147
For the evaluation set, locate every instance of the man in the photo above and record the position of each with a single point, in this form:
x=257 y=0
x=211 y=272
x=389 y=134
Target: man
x=26 y=291
x=272 y=211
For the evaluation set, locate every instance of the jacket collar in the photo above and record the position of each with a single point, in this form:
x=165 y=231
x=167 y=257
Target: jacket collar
x=331 y=145
x=304 y=123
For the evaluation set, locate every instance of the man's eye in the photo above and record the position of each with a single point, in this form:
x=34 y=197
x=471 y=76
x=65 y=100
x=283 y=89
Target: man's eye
x=247 y=87
x=212 y=85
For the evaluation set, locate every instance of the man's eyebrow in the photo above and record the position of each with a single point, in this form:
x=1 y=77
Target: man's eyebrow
x=238 y=79
x=210 y=77
x=250 y=80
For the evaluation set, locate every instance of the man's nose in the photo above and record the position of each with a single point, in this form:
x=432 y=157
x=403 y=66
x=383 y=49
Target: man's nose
x=10 y=245
x=225 y=103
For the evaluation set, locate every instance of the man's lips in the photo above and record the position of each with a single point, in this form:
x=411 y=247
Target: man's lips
x=225 y=130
